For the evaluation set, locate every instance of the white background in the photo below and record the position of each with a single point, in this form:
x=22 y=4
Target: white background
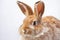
x=11 y=16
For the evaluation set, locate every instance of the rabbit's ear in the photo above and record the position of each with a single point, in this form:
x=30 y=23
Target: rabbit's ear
x=25 y=8
x=39 y=8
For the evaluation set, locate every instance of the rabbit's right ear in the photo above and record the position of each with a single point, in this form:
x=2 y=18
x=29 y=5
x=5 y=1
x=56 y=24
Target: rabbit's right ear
x=25 y=8
x=39 y=8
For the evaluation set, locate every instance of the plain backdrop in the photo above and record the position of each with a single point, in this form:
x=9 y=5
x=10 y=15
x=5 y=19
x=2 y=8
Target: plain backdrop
x=11 y=17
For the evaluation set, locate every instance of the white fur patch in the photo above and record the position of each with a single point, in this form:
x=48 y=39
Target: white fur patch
x=31 y=26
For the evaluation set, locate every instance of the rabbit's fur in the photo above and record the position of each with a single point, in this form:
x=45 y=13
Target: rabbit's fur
x=35 y=27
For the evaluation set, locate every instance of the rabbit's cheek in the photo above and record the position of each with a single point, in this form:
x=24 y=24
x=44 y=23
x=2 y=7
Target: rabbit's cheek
x=38 y=31
x=42 y=32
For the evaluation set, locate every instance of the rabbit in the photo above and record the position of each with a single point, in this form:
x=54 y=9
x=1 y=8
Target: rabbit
x=36 y=27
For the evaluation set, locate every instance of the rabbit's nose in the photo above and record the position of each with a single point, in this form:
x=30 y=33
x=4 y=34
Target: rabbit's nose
x=24 y=31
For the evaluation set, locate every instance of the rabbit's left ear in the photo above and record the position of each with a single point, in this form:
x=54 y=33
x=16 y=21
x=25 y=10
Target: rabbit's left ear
x=39 y=8
x=26 y=9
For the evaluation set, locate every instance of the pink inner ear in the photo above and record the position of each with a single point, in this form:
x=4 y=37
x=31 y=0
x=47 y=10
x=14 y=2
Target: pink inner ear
x=39 y=8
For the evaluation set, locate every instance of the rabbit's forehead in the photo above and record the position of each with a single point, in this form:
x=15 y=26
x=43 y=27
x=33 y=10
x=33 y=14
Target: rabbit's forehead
x=30 y=18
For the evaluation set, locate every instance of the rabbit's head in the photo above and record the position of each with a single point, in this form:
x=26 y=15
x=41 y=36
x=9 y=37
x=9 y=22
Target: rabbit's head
x=32 y=23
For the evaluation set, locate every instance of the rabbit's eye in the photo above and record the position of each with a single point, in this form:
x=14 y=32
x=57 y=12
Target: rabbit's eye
x=34 y=23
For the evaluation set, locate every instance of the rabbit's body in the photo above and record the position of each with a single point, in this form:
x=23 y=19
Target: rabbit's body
x=54 y=25
x=53 y=33
x=35 y=27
